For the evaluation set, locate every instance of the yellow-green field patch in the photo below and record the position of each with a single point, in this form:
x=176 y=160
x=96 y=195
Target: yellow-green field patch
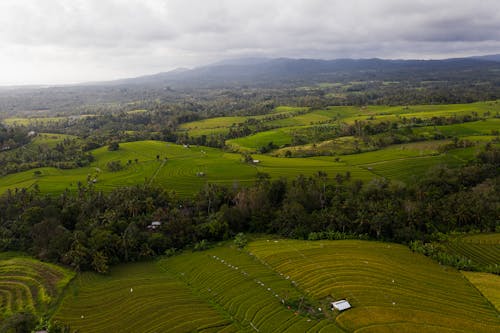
x=137 y=298
x=385 y=283
x=488 y=284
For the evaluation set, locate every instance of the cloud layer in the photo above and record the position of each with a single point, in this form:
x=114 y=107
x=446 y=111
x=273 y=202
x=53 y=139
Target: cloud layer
x=60 y=41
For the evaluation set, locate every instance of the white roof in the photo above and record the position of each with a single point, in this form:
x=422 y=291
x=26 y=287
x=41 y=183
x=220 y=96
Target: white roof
x=341 y=305
x=156 y=223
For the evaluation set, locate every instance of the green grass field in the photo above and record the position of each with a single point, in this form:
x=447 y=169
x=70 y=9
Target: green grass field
x=277 y=285
x=28 y=284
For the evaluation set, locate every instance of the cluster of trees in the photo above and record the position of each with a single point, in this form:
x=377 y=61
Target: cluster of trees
x=13 y=137
x=91 y=230
x=67 y=154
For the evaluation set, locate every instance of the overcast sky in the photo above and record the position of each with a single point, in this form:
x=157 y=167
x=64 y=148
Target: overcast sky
x=65 y=41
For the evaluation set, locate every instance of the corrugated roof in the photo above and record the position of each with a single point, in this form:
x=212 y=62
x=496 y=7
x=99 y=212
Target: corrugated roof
x=341 y=305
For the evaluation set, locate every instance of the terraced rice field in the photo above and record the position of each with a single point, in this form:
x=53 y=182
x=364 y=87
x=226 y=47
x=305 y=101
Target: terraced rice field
x=373 y=114
x=179 y=171
x=390 y=288
x=137 y=298
x=28 y=284
x=278 y=137
x=219 y=125
x=483 y=250
x=252 y=294
x=488 y=284
x=481 y=127
x=264 y=288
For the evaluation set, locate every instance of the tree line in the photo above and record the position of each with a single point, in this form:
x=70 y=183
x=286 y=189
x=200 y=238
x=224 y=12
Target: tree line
x=92 y=230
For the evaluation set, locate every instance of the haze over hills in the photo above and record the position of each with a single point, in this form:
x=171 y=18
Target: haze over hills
x=457 y=77
x=272 y=71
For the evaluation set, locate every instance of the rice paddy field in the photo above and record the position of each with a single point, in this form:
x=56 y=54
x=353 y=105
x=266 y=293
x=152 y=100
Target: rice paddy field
x=178 y=166
x=488 y=284
x=481 y=127
x=138 y=298
x=279 y=137
x=483 y=250
x=303 y=117
x=277 y=285
x=27 y=284
x=390 y=288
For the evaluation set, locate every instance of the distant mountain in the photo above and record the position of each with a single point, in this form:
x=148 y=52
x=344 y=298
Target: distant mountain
x=290 y=72
x=453 y=80
x=492 y=57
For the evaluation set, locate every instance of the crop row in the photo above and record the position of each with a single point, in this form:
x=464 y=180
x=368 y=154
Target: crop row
x=252 y=294
x=380 y=281
x=27 y=284
x=137 y=298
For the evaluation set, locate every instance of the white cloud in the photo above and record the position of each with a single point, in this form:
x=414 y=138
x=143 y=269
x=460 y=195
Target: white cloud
x=56 y=41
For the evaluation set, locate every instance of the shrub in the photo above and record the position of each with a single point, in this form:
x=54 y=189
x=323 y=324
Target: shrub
x=201 y=245
x=113 y=146
x=240 y=240
x=114 y=166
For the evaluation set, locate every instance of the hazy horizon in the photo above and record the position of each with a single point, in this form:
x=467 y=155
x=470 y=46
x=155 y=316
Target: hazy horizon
x=60 y=42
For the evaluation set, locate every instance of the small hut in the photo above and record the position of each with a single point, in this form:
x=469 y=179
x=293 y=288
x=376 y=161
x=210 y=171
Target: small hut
x=340 y=305
x=154 y=225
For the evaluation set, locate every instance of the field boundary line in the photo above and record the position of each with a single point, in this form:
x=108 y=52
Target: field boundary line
x=197 y=292
x=156 y=172
x=480 y=292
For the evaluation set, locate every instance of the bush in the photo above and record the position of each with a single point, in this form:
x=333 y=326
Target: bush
x=201 y=245
x=170 y=252
x=19 y=322
x=240 y=240
x=113 y=146
x=114 y=166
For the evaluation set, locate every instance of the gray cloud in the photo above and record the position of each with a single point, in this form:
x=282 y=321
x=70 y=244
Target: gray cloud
x=58 y=41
